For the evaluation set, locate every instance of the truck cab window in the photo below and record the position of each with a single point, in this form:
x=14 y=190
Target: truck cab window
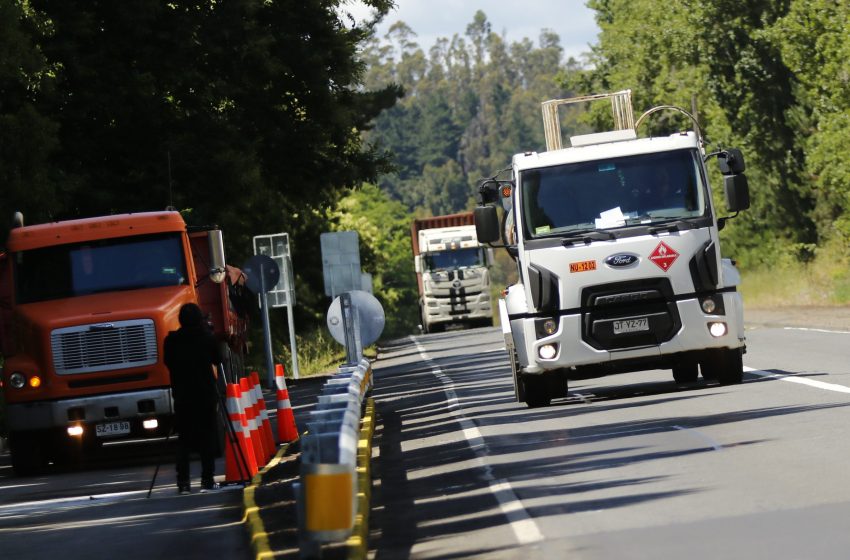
x=645 y=188
x=458 y=258
x=100 y=266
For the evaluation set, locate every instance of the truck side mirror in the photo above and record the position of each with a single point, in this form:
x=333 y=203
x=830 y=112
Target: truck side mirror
x=737 y=192
x=731 y=162
x=417 y=264
x=486 y=224
x=488 y=191
x=217 y=262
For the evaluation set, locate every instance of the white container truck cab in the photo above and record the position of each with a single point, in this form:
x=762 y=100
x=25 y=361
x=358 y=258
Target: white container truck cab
x=620 y=270
x=452 y=270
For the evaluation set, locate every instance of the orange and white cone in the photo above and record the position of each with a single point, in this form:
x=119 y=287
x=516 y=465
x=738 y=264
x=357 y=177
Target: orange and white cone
x=263 y=416
x=279 y=377
x=251 y=416
x=236 y=461
x=287 y=431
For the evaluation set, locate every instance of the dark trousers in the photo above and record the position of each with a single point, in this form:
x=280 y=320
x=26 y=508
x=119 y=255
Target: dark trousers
x=197 y=433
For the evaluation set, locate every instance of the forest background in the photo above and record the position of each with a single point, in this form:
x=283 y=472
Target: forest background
x=290 y=116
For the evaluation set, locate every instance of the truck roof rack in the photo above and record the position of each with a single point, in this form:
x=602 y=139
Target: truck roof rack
x=625 y=127
x=621 y=109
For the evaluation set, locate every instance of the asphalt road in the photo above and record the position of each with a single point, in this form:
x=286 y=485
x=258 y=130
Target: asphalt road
x=102 y=511
x=629 y=466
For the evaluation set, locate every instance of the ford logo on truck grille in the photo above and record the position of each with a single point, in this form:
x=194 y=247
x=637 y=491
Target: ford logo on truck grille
x=621 y=259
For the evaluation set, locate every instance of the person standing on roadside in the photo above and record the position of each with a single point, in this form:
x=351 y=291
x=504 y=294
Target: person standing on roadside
x=191 y=356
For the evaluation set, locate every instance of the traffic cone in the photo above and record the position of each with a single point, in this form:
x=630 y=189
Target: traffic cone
x=279 y=376
x=263 y=418
x=251 y=416
x=237 y=460
x=287 y=431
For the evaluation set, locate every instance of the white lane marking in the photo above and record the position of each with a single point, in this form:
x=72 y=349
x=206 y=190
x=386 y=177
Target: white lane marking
x=801 y=380
x=523 y=526
x=714 y=445
x=815 y=330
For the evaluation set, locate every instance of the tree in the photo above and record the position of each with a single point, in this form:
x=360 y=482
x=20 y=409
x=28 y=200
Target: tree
x=244 y=113
x=27 y=136
x=383 y=226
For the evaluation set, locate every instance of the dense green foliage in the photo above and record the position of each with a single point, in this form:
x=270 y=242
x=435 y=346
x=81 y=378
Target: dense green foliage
x=242 y=113
x=470 y=103
x=767 y=76
x=383 y=226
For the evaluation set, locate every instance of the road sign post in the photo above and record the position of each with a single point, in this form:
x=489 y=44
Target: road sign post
x=282 y=293
x=262 y=273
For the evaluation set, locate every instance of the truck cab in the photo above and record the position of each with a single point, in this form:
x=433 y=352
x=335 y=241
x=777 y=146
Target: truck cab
x=452 y=269
x=85 y=306
x=617 y=248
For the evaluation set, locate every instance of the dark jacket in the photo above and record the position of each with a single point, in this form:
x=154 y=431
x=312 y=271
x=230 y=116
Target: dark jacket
x=190 y=354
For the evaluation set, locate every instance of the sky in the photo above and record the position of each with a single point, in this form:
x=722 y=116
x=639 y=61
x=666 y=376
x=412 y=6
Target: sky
x=431 y=19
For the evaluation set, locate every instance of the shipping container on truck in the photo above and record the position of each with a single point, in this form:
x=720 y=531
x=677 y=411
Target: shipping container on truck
x=85 y=306
x=452 y=272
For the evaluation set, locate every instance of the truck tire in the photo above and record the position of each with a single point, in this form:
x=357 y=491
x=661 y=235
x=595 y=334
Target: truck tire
x=536 y=391
x=27 y=453
x=686 y=372
x=723 y=365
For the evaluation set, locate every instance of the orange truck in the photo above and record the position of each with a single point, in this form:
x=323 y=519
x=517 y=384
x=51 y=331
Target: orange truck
x=85 y=306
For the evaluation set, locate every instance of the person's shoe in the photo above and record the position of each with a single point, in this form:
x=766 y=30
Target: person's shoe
x=209 y=486
x=184 y=489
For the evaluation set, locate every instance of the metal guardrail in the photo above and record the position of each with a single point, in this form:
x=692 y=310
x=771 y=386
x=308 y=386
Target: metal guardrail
x=328 y=490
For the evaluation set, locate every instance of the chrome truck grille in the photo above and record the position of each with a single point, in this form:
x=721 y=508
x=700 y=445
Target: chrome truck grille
x=104 y=346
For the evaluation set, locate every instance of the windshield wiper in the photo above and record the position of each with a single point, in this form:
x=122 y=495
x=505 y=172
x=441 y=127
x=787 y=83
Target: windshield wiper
x=588 y=236
x=670 y=224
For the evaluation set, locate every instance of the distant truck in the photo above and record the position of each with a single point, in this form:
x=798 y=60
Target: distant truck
x=84 y=308
x=452 y=272
x=617 y=247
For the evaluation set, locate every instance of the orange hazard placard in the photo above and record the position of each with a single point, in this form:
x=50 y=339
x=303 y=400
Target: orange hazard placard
x=582 y=266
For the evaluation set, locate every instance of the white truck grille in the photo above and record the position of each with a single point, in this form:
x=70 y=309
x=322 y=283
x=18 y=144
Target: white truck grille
x=104 y=346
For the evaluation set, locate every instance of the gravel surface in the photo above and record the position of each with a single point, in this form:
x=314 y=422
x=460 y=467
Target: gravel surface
x=831 y=318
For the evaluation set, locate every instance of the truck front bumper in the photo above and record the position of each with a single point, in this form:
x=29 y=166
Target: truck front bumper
x=571 y=350
x=134 y=407
x=465 y=308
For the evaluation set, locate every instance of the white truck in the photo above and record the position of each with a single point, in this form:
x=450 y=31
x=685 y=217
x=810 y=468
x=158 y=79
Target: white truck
x=452 y=272
x=617 y=249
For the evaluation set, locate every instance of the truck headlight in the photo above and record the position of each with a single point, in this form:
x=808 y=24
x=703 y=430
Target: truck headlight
x=17 y=380
x=717 y=329
x=712 y=305
x=548 y=351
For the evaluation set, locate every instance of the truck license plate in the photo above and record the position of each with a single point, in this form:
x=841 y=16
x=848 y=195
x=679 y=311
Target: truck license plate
x=631 y=325
x=110 y=429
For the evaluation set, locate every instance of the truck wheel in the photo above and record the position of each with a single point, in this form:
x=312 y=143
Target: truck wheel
x=723 y=365
x=686 y=372
x=536 y=391
x=27 y=451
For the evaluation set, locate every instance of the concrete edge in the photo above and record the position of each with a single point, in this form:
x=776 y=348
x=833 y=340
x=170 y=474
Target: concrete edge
x=358 y=542
x=251 y=518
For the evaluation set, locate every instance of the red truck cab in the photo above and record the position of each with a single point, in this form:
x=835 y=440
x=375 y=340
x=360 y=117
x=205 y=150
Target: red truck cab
x=85 y=306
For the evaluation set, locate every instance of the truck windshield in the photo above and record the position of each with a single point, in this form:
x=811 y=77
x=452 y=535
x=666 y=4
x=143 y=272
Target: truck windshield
x=92 y=267
x=449 y=260
x=609 y=193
